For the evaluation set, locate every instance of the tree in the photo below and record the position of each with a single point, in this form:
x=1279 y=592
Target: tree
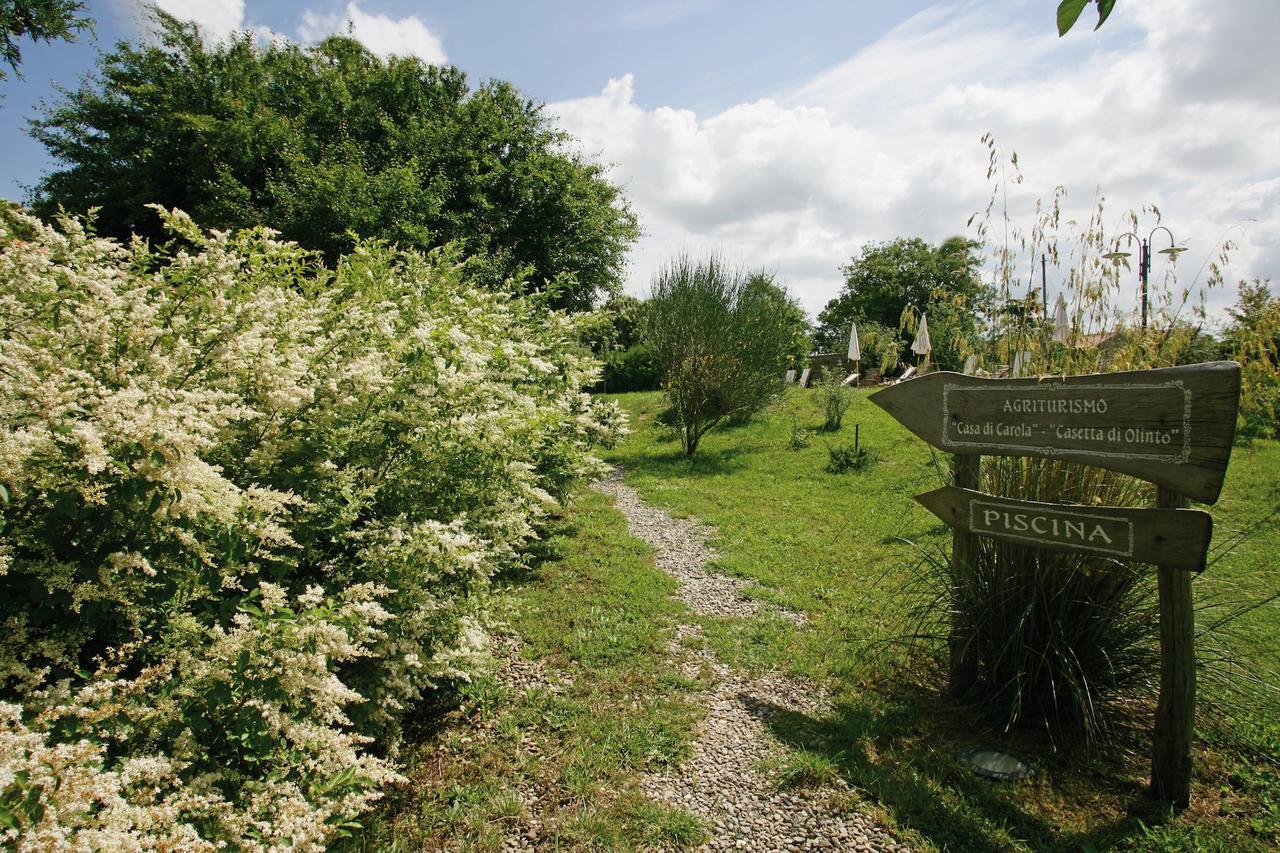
x=790 y=316
x=884 y=279
x=1069 y=12
x=329 y=144
x=1253 y=339
x=38 y=20
x=626 y=321
x=721 y=341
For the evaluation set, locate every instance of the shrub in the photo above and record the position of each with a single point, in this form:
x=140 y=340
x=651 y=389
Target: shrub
x=721 y=340
x=799 y=437
x=836 y=398
x=844 y=458
x=632 y=369
x=251 y=508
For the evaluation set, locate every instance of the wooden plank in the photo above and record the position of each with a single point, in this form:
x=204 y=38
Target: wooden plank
x=1176 y=538
x=1173 y=426
x=1176 y=707
x=963 y=670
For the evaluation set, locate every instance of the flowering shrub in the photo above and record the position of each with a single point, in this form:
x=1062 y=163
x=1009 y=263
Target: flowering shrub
x=250 y=508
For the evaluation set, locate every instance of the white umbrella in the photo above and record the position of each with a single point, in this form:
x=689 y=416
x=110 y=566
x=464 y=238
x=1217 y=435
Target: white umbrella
x=855 y=352
x=1061 y=328
x=921 y=345
x=1021 y=363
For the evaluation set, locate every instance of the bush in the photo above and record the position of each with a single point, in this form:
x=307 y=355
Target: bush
x=722 y=341
x=799 y=437
x=842 y=459
x=251 y=509
x=632 y=369
x=836 y=398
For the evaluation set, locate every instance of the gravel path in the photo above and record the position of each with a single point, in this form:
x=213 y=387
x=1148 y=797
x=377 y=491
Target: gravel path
x=681 y=545
x=724 y=782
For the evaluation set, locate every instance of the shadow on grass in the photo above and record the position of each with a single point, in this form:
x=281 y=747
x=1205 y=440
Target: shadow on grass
x=676 y=465
x=904 y=757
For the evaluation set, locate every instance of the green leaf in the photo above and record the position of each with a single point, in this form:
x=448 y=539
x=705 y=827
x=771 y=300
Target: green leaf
x=4 y=493
x=1068 y=13
x=1104 y=9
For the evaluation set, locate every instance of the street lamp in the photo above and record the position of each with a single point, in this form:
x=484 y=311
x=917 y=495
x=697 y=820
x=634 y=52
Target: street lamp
x=1144 y=259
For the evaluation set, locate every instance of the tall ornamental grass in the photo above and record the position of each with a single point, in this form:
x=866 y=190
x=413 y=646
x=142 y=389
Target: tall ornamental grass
x=1064 y=643
x=249 y=510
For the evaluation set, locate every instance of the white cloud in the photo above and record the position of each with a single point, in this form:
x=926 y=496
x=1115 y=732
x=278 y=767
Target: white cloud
x=1167 y=104
x=383 y=35
x=217 y=19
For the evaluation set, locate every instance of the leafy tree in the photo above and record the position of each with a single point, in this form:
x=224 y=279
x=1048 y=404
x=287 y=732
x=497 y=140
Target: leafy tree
x=329 y=144
x=1069 y=12
x=721 y=341
x=1253 y=339
x=38 y=20
x=791 y=317
x=885 y=279
x=625 y=314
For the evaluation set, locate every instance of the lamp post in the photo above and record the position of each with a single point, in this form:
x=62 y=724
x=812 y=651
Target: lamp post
x=1144 y=258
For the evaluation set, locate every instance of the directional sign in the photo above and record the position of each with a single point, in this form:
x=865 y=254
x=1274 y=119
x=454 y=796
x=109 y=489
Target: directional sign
x=1173 y=426
x=1178 y=538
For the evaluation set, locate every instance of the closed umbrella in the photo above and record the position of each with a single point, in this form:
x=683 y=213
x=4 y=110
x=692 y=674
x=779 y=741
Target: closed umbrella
x=855 y=352
x=1061 y=328
x=921 y=344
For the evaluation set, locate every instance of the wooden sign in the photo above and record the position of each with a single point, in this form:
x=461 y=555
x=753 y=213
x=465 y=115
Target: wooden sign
x=1173 y=426
x=1178 y=538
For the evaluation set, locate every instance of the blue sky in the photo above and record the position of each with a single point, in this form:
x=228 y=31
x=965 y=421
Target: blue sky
x=787 y=136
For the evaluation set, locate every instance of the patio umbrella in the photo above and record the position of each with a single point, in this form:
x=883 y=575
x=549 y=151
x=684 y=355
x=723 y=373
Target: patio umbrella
x=1061 y=327
x=855 y=351
x=921 y=345
x=1021 y=363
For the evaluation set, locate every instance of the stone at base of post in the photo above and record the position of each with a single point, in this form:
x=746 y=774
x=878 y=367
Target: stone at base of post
x=1176 y=709
x=964 y=552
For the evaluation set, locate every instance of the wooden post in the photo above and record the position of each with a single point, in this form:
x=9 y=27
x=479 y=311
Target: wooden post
x=964 y=553
x=1176 y=709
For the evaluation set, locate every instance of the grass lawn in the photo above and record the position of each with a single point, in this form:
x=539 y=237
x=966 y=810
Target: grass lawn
x=839 y=548
x=598 y=616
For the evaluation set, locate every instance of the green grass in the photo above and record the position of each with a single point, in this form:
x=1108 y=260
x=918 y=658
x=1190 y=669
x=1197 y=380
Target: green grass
x=599 y=616
x=838 y=547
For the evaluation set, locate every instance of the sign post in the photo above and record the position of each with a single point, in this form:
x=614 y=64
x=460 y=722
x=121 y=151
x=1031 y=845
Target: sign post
x=1176 y=707
x=1171 y=426
x=966 y=471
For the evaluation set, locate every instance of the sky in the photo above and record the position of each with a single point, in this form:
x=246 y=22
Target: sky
x=787 y=137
